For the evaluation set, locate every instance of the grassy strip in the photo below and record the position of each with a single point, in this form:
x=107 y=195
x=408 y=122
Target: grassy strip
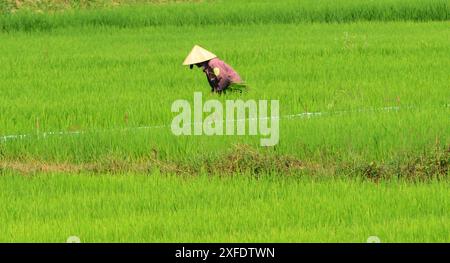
x=244 y=159
x=233 y=13
x=156 y=208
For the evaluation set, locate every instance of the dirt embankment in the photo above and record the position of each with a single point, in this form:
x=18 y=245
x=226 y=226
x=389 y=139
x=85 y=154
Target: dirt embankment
x=245 y=159
x=44 y=6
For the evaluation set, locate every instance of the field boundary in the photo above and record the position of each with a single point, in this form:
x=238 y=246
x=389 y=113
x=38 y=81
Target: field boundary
x=434 y=163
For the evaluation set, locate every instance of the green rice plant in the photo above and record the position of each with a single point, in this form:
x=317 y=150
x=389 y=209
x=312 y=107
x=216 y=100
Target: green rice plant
x=98 y=85
x=157 y=208
x=236 y=12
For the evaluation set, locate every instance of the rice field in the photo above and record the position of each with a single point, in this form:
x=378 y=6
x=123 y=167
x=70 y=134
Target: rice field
x=157 y=208
x=85 y=114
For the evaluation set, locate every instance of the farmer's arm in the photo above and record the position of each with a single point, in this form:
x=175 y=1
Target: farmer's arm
x=212 y=83
x=223 y=84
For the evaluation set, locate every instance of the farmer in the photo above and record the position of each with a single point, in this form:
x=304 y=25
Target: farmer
x=220 y=75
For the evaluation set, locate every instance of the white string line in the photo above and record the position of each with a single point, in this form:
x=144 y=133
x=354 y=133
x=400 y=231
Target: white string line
x=288 y=116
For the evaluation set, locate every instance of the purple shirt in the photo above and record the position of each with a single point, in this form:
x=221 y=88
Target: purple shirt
x=220 y=75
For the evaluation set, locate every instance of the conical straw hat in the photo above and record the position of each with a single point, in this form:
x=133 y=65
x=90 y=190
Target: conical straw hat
x=198 y=55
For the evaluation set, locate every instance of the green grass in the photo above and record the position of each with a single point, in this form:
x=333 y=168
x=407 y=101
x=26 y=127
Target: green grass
x=156 y=208
x=99 y=79
x=98 y=75
x=233 y=12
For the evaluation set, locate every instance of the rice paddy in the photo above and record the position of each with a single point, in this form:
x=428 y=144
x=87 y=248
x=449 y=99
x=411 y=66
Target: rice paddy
x=364 y=145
